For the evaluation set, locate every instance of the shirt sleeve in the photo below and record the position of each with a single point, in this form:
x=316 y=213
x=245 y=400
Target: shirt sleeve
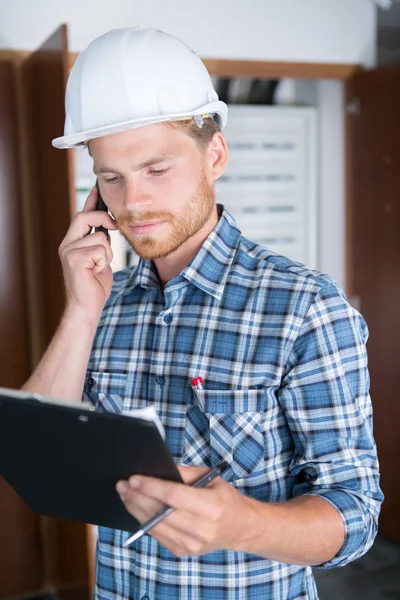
x=325 y=396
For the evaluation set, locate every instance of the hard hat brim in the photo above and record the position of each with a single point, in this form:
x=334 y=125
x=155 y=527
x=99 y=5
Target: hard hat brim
x=78 y=139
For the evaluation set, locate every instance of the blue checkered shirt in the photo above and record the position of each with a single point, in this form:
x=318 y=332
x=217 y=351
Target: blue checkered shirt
x=286 y=404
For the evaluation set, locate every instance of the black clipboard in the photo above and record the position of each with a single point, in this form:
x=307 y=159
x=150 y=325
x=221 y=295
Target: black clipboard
x=64 y=459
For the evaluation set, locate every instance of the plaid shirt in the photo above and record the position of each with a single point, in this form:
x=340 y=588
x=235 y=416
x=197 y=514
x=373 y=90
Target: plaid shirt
x=286 y=404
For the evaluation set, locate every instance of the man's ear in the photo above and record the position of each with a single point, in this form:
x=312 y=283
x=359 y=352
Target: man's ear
x=217 y=156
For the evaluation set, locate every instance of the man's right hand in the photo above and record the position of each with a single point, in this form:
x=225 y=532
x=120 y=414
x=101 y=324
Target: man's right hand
x=86 y=259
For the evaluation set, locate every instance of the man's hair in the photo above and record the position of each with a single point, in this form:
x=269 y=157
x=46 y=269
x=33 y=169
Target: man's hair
x=202 y=136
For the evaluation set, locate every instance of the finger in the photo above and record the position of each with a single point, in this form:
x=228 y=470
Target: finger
x=178 y=495
x=93 y=258
x=182 y=522
x=91 y=200
x=141 y=515
x=191 y=474
x=94 y=239
x=178 y=531
x=182 y=535
x=171 y=539
x=138 y=503
x=175 y=541
x=83 y=223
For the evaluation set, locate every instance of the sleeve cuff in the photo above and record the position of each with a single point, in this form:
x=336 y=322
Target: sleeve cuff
x=360 y=527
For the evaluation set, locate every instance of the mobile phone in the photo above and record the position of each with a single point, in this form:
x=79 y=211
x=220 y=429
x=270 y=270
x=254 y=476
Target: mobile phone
x=101 y=206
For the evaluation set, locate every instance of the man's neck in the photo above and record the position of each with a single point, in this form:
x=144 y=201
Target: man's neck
x=170 y=266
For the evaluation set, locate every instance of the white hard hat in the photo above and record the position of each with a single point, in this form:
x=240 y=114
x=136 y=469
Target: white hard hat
x=132 y=77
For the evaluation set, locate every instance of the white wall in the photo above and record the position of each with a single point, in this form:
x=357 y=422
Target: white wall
x=295 y=30
x=328 y=96
x=331 y=218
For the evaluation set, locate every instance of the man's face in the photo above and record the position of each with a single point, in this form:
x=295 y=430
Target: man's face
x=154 y=181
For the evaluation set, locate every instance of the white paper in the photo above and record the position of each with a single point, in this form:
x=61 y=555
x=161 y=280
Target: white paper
x=148 y=413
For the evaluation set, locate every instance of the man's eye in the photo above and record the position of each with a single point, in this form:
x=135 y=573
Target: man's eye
x=112 y=180
x=157 y=172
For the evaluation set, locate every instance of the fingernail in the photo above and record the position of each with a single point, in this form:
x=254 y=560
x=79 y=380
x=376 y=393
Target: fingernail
x=121 y=487
x=134 y=482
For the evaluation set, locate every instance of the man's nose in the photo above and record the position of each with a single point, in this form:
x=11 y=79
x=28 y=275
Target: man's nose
x=136 y=196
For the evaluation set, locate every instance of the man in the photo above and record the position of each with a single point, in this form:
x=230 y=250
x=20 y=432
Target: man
x=282 y=354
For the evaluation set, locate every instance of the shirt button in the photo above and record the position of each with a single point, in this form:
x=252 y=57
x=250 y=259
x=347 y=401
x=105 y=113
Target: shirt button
x=160 y=379
x=168 y=318
x=91 y=382
x=145 y=597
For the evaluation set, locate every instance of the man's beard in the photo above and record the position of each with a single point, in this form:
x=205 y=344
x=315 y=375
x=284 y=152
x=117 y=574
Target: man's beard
x=193 y=217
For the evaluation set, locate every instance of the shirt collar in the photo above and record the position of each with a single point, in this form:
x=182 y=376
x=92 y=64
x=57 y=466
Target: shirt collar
x=210 y=267
x=208 y=270
x=146 y=275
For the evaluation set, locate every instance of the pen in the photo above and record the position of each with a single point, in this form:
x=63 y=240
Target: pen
x=200 y=483
x=197 y=384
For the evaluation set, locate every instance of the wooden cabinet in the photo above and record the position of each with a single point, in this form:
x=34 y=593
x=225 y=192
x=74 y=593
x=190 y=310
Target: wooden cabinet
x=21 y=559
x=37 y=198
x=373 y=245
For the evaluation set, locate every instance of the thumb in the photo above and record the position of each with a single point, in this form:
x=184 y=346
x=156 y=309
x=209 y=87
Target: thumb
x=191 y=474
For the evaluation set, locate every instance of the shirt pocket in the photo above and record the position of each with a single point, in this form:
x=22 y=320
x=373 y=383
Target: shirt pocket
x=105 y=391
x=226 y=426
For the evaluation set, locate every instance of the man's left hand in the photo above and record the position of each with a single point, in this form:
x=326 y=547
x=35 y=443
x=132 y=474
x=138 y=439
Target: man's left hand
x=207 y=519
